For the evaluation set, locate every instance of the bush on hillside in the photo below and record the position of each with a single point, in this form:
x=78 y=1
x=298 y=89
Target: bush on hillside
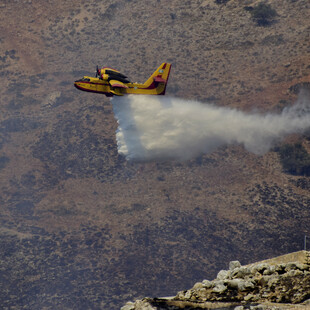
x=295 y=159
x=262 y=13
x=221 y=1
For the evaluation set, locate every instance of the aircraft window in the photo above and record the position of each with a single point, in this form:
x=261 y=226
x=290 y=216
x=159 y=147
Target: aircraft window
x=86 y=80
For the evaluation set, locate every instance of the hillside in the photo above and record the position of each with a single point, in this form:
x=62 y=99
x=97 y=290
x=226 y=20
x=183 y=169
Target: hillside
x=83 y=228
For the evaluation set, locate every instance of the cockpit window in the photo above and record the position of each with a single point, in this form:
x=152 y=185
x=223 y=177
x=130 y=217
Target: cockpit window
x=85 y=80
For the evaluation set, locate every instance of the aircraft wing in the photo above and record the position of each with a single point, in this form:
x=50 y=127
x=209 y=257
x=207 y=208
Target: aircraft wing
x=115 y=83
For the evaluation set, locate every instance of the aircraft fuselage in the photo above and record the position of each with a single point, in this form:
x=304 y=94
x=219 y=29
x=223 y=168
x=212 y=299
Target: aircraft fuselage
x=111 y=82
x=97 y=85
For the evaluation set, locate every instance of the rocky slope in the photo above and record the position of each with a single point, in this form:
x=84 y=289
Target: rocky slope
x=272 y=286
x=81 y=227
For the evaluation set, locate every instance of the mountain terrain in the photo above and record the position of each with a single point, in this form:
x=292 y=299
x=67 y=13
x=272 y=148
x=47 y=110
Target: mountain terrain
x=81 y=227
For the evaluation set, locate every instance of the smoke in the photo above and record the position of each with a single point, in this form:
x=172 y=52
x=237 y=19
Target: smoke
x=161 y=128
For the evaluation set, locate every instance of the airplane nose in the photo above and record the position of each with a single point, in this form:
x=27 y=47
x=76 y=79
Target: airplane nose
x=76 y=85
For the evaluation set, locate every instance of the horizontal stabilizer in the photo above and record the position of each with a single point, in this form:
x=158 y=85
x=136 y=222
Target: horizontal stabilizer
x=115 y=83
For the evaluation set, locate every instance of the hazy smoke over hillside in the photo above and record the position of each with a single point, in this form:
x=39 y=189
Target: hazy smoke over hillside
x=156 y=127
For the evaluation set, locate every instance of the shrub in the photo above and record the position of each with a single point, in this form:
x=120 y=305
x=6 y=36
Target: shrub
x=295 y=159
x=221 y=1
x=3 y=161
x=263 y=14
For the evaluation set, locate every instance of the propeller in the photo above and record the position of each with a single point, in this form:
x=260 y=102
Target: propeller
x=97 y=71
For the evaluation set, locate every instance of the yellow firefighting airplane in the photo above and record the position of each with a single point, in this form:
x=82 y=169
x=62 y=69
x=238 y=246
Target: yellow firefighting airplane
x=111 y=82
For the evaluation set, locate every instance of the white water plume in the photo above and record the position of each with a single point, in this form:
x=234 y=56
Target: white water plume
x=161 y=128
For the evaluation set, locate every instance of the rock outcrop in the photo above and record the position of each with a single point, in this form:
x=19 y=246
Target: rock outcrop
x=283 y=283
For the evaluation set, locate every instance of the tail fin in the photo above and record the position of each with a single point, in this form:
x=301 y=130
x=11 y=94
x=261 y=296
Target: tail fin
x=159 y=78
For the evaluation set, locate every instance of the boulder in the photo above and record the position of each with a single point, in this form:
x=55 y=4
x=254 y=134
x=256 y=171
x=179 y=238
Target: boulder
x=219 y=287
x=234 y=264
x=261 y=268
x=198 y=285
x=263 y=281
x=273 y=281
x=188 y=294
x=269 y=270
x=293 y=273
x=129 y=306
x=290 y=266
x=233 y=284
x=241 y=272
x=249 y=297
x=280 y=269
x=246 y=285
x=223 y=274
x=207 y=284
